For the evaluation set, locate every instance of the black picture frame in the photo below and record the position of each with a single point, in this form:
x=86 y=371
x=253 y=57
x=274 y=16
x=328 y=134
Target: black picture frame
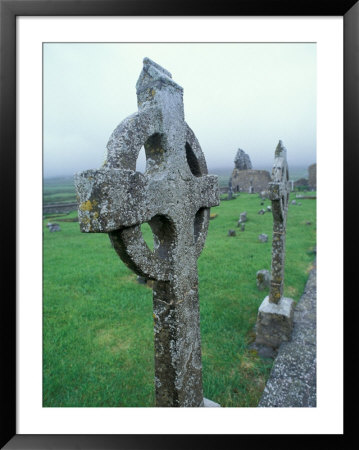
x=9 y=10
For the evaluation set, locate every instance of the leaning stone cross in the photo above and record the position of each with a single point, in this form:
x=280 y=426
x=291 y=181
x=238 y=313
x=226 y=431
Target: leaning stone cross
x=275 y=315
x=174 y=197
x=279 y=195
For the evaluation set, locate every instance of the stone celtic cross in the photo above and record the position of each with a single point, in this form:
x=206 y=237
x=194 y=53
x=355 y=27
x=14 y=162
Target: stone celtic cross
x=275 y=314
x=174 y=197
x=279 y=195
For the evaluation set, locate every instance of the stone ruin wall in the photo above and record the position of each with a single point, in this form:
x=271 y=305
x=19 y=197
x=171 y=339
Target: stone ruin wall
x=312 y=171
x=242 y=180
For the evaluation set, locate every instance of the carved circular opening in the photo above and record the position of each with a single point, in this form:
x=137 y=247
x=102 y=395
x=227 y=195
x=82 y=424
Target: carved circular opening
x=141 y=161
x=154 y=150
x=164 y=235
x=147 y=235
x=192 y=161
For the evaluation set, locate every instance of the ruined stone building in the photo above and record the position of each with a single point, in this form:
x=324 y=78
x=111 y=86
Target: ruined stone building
x=244 y=178
x=312 y=172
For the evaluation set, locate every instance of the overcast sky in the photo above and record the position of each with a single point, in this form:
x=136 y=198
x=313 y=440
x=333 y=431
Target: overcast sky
x=236 y=95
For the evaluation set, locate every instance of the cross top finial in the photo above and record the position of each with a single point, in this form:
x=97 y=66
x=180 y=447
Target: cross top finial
x=152 y=80
x=280 y=150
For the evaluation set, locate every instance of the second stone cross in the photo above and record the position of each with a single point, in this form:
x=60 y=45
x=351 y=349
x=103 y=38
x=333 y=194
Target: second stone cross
x=275 y=314
x=174 y=197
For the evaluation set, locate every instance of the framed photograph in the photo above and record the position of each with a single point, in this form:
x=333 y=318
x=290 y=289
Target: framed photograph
x=68 y=76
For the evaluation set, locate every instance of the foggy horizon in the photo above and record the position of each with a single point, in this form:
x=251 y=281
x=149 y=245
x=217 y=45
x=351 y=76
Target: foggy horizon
x=238 y=95
x=211 y=170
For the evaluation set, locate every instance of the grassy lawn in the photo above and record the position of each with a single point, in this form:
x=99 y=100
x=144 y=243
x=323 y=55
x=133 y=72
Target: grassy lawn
x=98 y=324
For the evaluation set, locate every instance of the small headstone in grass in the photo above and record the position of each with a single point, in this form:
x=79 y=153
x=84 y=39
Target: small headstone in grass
x=263 y=279
x=294 y=202
x=53 y=227
x=243 y=216
x=231 y=233
x=263 y=237
x=261 y=212
x=269 y=208
x=174 y=196
x=275 y=315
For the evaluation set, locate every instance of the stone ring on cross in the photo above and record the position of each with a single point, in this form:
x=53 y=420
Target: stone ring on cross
x=174 y=197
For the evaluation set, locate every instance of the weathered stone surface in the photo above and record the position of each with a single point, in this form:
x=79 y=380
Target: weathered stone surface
x=244 y=178
x=174 y=197
x=263 y=279
x=263 y=237
x=231 y=233
x=243 y=216
x=250 y=181
x=279 y=195
x=275 y=322
x=261 y=212
x=242 y=161
x=275 y=315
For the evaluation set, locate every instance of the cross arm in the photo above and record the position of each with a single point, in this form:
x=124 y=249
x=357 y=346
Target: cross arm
x=109 y=199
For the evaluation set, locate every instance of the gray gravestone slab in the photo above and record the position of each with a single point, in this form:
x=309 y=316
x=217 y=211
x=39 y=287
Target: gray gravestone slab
x=263 y=237
x=275 y=322
x=174 y=196
x=275 y=315
x=263 y=279
x=243 y=216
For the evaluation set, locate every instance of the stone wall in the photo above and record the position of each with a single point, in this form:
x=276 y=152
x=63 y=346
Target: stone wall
x=312 y=171
x=59 y=208
x=250 y=180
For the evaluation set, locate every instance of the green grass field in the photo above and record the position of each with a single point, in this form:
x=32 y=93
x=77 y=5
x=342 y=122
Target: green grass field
x=98 y=324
